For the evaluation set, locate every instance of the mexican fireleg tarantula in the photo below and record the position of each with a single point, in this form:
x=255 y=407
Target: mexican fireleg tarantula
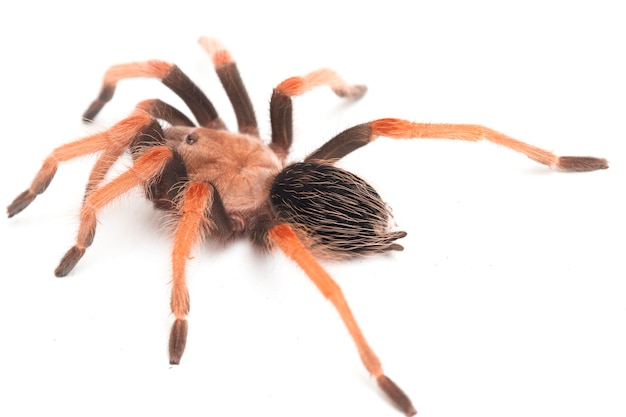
x=227 y=185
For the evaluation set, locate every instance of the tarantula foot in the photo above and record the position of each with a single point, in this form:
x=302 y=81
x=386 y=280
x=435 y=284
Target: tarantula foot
x=21 y=202
x=352 y=92
x=399 y=398
x=69 y=261
x=178 y=339
x=103 y=98
x=93 y=109
x=581 y=163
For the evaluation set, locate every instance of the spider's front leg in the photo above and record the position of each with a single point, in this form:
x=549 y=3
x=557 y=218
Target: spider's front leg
x=111 y=143
x=201 y=212
x=145 y=169
x=188 y=230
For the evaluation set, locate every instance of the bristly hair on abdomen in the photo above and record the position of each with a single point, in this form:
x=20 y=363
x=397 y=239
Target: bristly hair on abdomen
x=338 y=213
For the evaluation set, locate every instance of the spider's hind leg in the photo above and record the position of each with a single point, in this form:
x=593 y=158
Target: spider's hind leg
x=288 y=241
x=360 y=135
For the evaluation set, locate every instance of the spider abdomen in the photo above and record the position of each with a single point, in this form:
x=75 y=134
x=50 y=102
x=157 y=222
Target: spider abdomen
x=338 y=213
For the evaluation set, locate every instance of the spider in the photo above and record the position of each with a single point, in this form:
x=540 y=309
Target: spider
x=225 y=185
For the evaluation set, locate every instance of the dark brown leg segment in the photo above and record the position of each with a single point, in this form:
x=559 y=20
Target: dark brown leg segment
x=178 y=340
x=171 y=76
x=281 y=106
x=347 y=141
x=198 y=103
x=161 y=110
x=227 y=71
x=236 y=91
x=281 y=118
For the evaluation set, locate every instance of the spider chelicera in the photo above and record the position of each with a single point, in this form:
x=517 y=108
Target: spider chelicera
x=224 y=185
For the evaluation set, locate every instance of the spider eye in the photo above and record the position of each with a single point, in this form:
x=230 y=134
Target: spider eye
x=191 y=139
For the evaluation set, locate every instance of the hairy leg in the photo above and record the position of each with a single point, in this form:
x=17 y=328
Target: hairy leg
x=150 y=135
x=286 y=239
x=111 y=143
x=161 y=110
x=113 y=152
x=171 y=76
x=227 y=71
x=281 y=107
x=360 y=135
x=146 y=167
x=196 y=204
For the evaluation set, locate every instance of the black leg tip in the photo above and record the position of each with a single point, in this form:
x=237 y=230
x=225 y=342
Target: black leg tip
x=178 y=340
x=69 y=261
x=582 y=163
x=92 y=111
x=399 y=398
x=20 y=203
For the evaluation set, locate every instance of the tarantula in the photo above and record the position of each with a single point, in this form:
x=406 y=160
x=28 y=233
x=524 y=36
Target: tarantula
x=224 y=185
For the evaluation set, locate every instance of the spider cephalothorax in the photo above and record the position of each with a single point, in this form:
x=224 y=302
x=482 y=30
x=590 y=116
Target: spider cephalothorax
x=222 y=185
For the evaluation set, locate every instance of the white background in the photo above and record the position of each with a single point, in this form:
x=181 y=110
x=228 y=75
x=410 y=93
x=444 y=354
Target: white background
x=510 y=296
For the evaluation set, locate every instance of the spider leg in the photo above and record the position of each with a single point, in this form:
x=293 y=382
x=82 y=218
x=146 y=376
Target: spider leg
x=198 y=197
x=147 y=133
x=145 y=168
x=360 y=135
x=111 y=142
x=286 y=239
x=171 y=76
x=161 y=110
x=281 y=107
x=227 y=71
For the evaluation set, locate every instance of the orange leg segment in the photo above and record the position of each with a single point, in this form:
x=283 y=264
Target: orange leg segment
x=360 y=135
x=198 y=197
x=403 y=129
x=111 y=142
x=121 y=134
x=296 y=86
x=145 y=168
x=287 y=240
